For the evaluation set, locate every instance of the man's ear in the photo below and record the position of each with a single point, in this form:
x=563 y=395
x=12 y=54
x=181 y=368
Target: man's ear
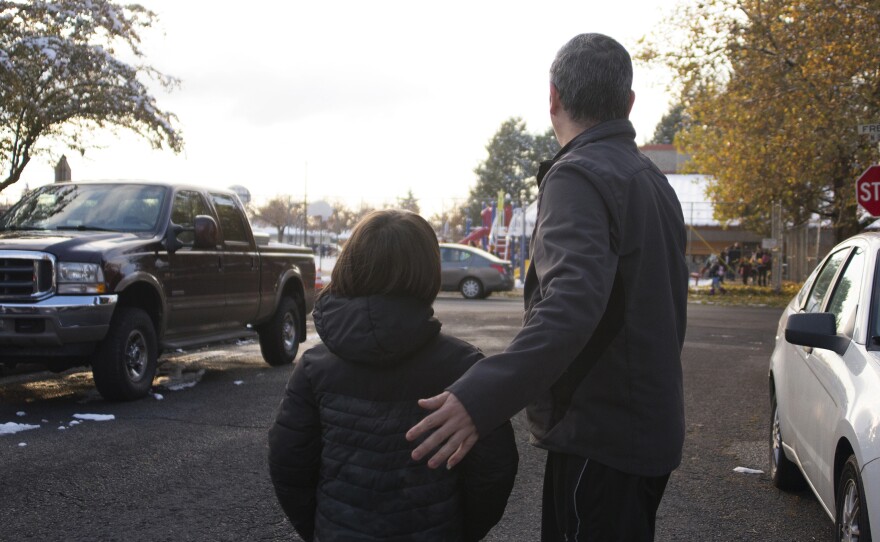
x=632 y=100
x=555 y=104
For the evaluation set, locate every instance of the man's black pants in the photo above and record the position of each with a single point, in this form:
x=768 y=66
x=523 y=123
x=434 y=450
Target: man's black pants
x=585 y=501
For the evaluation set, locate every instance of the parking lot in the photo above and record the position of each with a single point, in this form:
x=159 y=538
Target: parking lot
x=188 y=462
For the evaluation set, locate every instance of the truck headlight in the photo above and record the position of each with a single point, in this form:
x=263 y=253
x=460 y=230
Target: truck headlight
x=79 y=278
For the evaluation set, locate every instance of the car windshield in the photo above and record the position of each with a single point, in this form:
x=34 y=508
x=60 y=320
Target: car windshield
x=88 y=207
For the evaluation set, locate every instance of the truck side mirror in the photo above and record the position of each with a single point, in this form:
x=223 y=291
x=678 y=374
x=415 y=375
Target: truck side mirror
x=171 y=242
x=206 y=232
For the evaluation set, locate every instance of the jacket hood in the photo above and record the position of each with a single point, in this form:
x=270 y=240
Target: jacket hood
x=376 y=329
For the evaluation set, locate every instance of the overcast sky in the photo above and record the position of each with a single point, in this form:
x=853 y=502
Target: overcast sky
x=353 y=100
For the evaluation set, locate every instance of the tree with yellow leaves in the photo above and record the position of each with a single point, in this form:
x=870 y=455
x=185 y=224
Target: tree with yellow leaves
x=773 y=93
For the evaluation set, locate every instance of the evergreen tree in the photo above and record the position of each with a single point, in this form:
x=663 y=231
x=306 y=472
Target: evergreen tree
x=408 y=202
x=669 y=125
x=511 y=165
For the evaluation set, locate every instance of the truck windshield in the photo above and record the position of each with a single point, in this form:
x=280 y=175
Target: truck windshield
x=95 y=207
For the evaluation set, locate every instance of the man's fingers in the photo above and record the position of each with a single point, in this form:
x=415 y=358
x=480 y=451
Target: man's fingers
x=433 y=403
x=435 y=419
x=433 y=441
x=462 y=450
x=442 y=455
x=453 y=431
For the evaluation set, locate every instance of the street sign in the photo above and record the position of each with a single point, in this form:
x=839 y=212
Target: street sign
x=869 y=129
x=320 y=208
x=868 y=190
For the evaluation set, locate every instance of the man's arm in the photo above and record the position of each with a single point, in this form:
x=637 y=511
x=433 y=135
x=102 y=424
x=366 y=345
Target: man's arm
x=575 y=267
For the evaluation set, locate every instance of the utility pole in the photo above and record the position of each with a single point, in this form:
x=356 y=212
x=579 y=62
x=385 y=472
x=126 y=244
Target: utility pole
x=306 y=205
x=776 y=226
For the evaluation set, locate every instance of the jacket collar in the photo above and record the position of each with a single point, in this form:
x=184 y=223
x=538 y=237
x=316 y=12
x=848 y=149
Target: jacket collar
x=611 y=128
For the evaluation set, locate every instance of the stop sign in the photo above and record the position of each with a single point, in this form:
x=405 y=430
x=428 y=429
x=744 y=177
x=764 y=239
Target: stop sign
x=868 y=190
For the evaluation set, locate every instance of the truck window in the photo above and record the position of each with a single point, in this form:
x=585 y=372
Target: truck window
x=188 y=204
x=104 y=206
x=231 y=219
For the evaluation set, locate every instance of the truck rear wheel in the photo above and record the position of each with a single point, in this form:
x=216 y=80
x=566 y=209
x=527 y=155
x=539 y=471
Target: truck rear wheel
x=279 y=337
x=125 y=361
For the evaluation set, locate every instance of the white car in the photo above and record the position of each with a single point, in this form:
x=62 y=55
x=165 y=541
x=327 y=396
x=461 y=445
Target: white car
x=825 y=388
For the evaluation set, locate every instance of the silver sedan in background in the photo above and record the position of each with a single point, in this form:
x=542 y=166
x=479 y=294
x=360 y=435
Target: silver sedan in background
x=473 y=272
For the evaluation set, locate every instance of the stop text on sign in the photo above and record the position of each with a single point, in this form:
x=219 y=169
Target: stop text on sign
x=869 y=191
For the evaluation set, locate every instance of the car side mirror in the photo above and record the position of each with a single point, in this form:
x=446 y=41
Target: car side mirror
x=206 y=232
x=816 y=330
x=171 y=242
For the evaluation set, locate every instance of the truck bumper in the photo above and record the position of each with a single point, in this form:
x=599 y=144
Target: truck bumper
x=65 y=324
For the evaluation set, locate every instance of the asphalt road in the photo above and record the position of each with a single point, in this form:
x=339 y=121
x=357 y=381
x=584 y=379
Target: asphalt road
x=189 y=462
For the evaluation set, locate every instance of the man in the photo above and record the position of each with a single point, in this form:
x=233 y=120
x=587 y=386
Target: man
x=598 y=360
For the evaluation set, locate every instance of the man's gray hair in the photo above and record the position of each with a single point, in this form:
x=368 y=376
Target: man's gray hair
x=593 y=75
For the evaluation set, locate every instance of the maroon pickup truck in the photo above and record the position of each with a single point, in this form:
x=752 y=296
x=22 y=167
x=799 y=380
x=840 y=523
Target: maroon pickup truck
x=110 y=274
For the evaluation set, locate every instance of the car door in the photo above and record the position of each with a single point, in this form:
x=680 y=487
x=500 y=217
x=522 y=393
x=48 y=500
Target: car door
x=195 y=291
x=822 y=378
x=240 y=262
x=453 y=266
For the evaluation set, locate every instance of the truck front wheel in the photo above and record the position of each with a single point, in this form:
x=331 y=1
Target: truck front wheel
x=125 y=361
x=279 y=337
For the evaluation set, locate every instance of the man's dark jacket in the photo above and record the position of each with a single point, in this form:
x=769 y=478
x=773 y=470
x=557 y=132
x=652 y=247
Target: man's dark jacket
x=338 y=456
x=598 y=360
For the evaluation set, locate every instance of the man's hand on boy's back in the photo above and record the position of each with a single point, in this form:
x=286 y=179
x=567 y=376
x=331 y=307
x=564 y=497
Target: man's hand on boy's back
x=454 y=432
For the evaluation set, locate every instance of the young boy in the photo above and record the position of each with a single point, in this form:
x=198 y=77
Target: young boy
x=338 y=456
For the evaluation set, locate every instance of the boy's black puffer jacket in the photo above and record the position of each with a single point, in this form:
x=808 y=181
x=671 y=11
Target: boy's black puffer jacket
x=338 y=457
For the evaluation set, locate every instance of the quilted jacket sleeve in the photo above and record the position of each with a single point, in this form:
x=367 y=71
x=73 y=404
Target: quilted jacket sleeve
x=295 y=452
x=487 y=476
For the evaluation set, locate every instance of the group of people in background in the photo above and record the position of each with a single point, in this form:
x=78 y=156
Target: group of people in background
x=735 y=262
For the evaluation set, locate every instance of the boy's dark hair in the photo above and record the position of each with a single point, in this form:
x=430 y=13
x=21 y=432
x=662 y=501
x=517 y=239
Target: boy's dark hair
x=593 y=75
x=390 y=252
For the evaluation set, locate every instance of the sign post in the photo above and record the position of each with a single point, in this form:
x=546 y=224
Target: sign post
x=868 y=190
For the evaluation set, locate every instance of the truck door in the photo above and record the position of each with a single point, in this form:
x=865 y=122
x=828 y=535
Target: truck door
x=195 y=290
x=241 y=262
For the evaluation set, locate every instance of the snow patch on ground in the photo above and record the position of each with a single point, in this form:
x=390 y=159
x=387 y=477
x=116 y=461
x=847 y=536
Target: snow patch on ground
x=95 y=417
x=194 y=378
x=10 y=428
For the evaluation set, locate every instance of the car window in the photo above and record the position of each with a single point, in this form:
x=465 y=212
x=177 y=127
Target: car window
x=454 y=256
x=823 y=281
x=845 y=299
x=231 y=221
x=807 y=287
x=188 y=204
